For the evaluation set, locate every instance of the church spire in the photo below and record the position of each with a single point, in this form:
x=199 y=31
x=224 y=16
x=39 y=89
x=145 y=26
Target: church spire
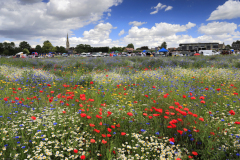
x=67 y=43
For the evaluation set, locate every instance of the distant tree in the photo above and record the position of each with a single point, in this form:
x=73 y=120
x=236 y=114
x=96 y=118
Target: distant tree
x=1 y=48
x=6 y=52
x=228 y=46
x=26 y=51
x=17 y=50
x=130 y=46
x=38 y=49
x=62 y=49
x=163 y=45
x=144 y=48
x=24 y=45
x=83 y=48
x=48 y=47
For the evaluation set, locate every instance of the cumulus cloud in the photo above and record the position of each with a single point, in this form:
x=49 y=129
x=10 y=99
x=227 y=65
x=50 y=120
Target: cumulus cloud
x=155 y=35
x=99 y=36
x=218 y=28
x=50 y=20
x=159 y=7
x=121 y=32
x=169 y=8
x=136 y=23
x=229 y=10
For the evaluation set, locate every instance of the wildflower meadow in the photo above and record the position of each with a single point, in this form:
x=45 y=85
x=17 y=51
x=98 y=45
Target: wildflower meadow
x=109 y=108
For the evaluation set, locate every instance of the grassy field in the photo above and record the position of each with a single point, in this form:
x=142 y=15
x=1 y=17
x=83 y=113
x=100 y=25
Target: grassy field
x=120 y=108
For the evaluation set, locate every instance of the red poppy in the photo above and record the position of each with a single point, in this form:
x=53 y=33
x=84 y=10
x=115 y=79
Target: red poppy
x=19 y=89
x=5 y=99
x=89 y=117
x=103 y=135
x=118 y=125
x=98 y=116
x=91 y=82
x=52 y=92
x=150 y=117
x=91 y=125
x=194 y=153
x=49 y=85
x=64 y=112
x=83 y=157
x=190 y=157
x=195 y=115
x=193 y=98
x=172 y=139
x=104 y=142
x=212 y=133
x=185 y=129
x=165 y=96
x=179 y=131
x=109 y=113
x=237 y=123
x=171 y=107
x=145 y=114
x=203 y=102
x=235 y=93
x=166 y=117
x=98 y=131
x=112 y=126
x=109 y=135
x=100 y=123
x=232 y=112
x=184 y=96
x=155 y=115
x=92 y=141
x=130 y=114
x=202 y=98
x=123 y=133
x=75 y=151
x=201 y=119
x=109 y=130
x=218 y=89
x=41 y=91
x=146 y=96
x=83 y=115
x=153 y=87
x=33 y=118
x=176 y=103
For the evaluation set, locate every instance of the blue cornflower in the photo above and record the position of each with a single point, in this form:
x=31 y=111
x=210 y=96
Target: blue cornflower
x=148 y=123
x=114 y=132
x=222 y=120
x=18 y=142
x=192 y=139
x=43 y=139
x=142 y=130
x=55 y=123
x=20 y=125
x=171 y=142
x=157 y=133
x=237 y=154
x=189 y=135
x=23 y=147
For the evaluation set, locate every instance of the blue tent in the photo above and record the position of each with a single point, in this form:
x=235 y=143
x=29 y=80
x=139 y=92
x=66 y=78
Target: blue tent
x=144 y=51
x=163 y=50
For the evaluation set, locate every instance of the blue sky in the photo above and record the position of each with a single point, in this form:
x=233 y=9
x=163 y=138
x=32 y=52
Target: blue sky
x=99 y=22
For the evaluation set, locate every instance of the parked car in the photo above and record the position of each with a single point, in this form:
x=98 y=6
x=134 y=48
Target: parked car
x=83 y=55
x=65 y=55
x=97 y=55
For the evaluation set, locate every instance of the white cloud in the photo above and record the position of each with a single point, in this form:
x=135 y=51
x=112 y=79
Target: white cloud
x=218 y=28
x=156 y=35
x=239 y=25
x=229 y=10
x=99 y=36
x=159 y=7
x=169 y=8
x=109 y=14
x=50 y=20
x=121 y=32
x=136 y=23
